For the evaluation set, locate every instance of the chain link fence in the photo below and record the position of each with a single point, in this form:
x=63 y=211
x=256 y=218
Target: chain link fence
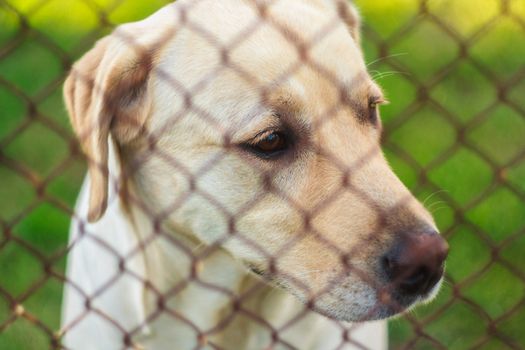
x=454 y=132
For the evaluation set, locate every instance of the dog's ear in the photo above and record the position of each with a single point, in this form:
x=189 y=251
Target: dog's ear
x=350 y=15
x=106 y=93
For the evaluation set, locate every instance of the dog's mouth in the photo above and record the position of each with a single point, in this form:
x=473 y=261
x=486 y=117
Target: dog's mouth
x=256 y=270
x=401 y=303
x=388 y=304
x=268 y=277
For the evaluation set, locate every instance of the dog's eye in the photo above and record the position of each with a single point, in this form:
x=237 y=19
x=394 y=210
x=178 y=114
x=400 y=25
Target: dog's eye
x=373 y=105
x=372 y=112
x=269 y=144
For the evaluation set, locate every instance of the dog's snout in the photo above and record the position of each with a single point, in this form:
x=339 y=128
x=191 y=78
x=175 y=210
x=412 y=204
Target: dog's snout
x=415 y=265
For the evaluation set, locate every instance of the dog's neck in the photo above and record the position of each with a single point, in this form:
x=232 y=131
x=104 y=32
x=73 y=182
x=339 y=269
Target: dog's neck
x=210 y=289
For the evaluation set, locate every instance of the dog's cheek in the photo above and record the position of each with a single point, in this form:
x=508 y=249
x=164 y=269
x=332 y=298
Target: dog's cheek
x=263 y=230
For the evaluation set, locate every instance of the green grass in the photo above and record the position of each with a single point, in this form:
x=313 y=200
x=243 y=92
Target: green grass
x=459 y=115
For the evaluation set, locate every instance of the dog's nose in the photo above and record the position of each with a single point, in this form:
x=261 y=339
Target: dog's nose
x=415 y=265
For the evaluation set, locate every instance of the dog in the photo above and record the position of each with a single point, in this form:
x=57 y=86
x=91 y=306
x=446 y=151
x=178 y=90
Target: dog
x=237 y=196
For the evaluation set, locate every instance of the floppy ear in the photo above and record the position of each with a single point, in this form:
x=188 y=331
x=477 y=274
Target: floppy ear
x=350 y=15
x=106 y=93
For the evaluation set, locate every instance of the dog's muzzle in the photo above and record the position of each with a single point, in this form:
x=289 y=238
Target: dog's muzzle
x=414 y=266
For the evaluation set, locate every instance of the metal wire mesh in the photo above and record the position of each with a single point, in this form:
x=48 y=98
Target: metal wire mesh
x=455 y=131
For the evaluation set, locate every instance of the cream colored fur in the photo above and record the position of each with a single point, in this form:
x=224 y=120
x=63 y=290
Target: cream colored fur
x=172 y=180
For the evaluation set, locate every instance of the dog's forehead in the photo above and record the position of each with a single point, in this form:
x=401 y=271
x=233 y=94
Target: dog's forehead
x=230 y=56
x=264 y=45
x=230 y=20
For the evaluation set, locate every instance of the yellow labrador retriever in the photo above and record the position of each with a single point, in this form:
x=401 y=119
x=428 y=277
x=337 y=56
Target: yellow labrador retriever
x=237 y=197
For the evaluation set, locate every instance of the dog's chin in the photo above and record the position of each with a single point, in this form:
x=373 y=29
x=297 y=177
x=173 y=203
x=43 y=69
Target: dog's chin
x=363 y=307
x=371 y=311
x=351 y=306
x=377 y=310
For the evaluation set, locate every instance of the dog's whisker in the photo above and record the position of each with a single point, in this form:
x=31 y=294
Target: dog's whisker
x=433 y=204
x=386 y=57
x=447 y=283
x=437 y=209
x=388 y=74
x=432 y=195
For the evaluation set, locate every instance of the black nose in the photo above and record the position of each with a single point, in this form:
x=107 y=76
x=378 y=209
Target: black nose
x=415 y=265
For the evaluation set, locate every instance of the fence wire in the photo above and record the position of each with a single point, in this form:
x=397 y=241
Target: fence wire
x=454 y=132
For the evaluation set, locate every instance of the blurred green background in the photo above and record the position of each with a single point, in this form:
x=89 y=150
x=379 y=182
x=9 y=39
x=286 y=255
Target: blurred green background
x=454 y=71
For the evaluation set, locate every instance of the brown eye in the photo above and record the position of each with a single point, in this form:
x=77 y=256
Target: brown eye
x=270 y=144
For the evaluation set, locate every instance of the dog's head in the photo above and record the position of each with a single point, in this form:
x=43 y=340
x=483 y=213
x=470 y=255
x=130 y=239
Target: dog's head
x=255 y=125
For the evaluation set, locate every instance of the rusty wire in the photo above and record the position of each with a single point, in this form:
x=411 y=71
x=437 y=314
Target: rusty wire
x=420 y=336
